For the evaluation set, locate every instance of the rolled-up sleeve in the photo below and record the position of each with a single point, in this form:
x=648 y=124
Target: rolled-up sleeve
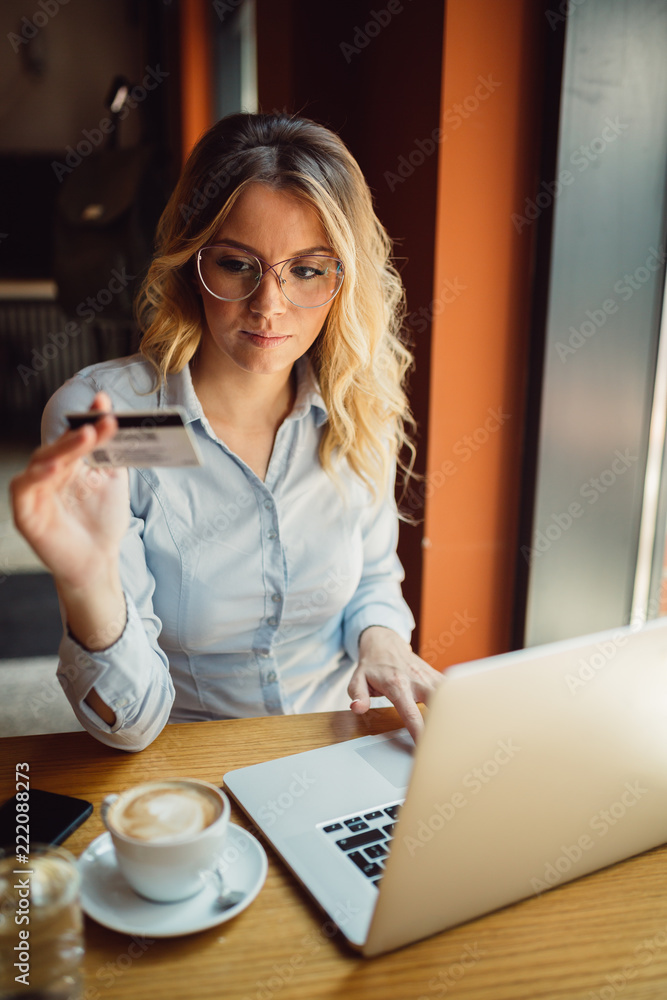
x=378 y=599
x=125 y=676
x=132 y=675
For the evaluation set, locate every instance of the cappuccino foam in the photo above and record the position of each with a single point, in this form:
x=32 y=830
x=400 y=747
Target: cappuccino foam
x=165 y=811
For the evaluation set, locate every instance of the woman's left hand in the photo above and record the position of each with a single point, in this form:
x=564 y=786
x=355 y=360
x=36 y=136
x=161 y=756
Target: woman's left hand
x=387 y=666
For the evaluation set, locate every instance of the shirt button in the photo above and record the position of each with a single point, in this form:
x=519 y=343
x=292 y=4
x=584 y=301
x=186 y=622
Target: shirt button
x=268 y=504
x=263 y=653
x=272 y=677
x=276 y=598
x=272 y=621
x=272 y=534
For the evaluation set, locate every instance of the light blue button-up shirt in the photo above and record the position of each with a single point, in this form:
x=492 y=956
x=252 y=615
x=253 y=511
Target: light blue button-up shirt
x=244 y=597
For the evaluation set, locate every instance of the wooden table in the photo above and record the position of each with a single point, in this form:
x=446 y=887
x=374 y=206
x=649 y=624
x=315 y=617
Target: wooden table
x=603 y=937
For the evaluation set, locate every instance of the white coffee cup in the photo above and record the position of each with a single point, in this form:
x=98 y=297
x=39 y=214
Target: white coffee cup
x=167 y=835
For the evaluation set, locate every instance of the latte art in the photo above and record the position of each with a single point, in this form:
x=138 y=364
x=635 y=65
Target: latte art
x=164 y=812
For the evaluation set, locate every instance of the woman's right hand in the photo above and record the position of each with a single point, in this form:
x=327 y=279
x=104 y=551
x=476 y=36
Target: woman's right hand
x=74 y=515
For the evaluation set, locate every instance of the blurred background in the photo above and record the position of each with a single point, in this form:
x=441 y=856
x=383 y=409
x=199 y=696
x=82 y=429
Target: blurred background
x=517 y=154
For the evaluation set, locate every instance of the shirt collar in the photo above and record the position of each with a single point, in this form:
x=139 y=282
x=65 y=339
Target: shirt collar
x=308 y=395
x=179 y=391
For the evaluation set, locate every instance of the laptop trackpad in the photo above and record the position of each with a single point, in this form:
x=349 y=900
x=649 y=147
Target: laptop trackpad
x=393 y=759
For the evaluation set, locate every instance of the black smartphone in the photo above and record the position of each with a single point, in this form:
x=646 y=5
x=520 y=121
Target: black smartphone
x=44 y=818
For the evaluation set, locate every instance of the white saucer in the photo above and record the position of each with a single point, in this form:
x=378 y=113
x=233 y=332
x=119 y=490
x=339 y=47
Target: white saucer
x=108 y=899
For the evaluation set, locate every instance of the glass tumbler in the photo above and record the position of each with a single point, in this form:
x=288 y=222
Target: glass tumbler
x=41 y=926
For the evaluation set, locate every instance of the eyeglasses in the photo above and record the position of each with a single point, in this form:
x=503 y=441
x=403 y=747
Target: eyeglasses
x=232 y=275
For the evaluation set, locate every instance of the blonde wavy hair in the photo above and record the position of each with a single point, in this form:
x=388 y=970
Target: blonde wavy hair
x=359 y=357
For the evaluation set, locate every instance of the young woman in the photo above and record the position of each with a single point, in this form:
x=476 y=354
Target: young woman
x=266 y=580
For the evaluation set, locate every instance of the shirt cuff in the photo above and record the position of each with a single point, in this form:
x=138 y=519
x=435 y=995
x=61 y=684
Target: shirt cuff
x=119 y=674
x=375 y=614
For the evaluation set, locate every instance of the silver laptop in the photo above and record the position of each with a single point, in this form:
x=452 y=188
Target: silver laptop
x=535 y=767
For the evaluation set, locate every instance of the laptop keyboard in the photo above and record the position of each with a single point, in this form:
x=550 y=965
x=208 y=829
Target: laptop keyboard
x=365 y=837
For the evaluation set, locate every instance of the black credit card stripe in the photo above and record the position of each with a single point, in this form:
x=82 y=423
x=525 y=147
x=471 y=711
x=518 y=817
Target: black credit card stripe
x=129 y=420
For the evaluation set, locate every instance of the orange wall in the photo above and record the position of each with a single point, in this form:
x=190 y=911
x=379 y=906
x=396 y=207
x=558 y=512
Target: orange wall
x=196 y=72
x=481 y=310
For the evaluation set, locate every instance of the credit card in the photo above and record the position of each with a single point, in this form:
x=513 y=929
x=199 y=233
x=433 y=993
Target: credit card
x=144 y=438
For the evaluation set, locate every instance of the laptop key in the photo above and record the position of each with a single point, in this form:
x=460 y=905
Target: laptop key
x=376 y=814
x=360 y=839
x=389 y=829
x=333 y=827
x=369 y=869
x=351 y=822
x=392 y=811
x=376 y=851
x=356 y=827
